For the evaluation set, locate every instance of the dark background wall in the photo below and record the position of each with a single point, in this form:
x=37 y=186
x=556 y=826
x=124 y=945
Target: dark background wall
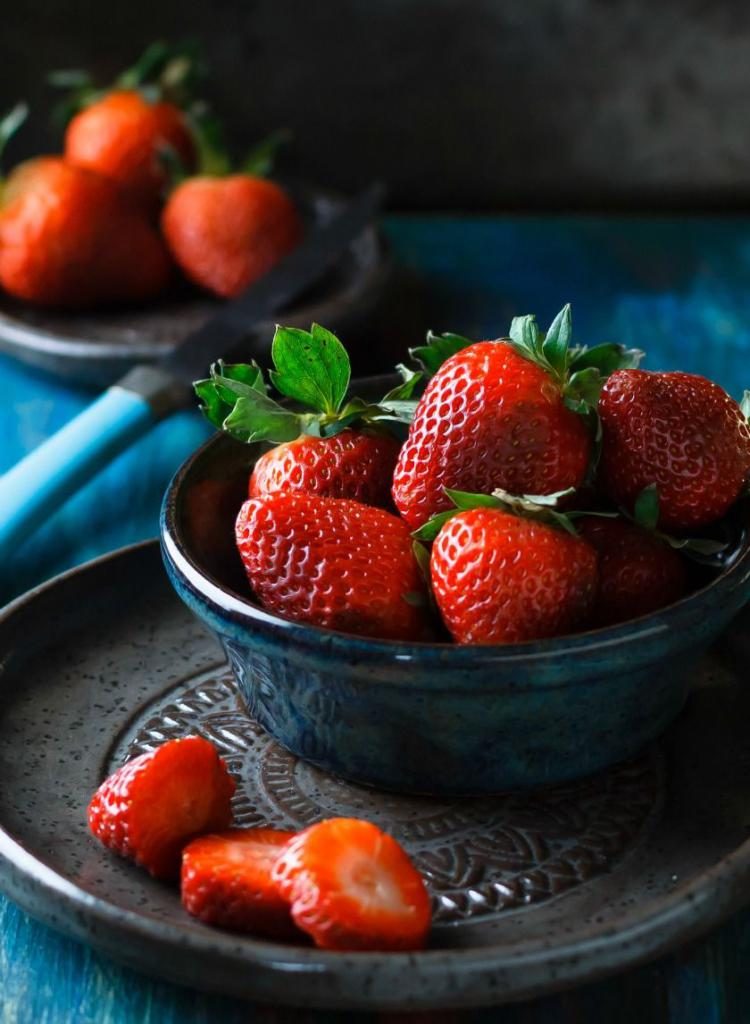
x=464 y=104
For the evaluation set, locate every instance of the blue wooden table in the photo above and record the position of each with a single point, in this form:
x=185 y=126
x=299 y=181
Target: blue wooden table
x=678 y=288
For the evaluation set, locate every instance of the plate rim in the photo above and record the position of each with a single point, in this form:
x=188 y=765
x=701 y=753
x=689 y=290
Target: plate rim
x=671 y=919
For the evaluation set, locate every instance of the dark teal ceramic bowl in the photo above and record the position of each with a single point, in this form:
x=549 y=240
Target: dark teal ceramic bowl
x=433 y=718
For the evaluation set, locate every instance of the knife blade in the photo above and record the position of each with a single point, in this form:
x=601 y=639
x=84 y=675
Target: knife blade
x=55 y=470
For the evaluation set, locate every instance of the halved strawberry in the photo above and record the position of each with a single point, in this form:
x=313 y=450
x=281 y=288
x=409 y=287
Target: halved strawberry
x=351 y=886
x=152 y=806
x=226 y=881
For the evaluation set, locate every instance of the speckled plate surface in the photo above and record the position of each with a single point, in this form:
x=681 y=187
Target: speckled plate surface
x=97 y=348
x=530 y=893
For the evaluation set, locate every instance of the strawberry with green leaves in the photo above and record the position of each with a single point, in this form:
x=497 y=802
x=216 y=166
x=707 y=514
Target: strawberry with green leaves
x=121 y=132
x=336 y=448
x=516 y=414
x=679 y=432
x=507 y=569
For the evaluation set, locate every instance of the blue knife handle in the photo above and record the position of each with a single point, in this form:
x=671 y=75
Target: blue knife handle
x=55 y=470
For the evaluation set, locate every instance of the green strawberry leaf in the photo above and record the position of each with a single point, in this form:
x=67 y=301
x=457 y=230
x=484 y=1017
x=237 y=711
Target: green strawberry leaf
x=465 y=500
x=261 y=158
x=428 y=531
x=208 y=136
x=439 y=347
x=260 y=418
x=312 y=367
x=405 y=390
x=582 y=392
x=557 y=340
x=646 y=508
x=605 y=358
x=525 y=338
x=227 y=382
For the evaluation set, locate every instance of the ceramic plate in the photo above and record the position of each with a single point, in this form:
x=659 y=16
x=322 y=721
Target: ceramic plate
x=530 y=893
x=98 y=348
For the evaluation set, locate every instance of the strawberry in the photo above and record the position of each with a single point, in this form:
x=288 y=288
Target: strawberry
x=120 y=137
x=502 y=414
x=351 y=886
x=124 y=132
x=149 y=809
x=638 y=571
x=226 y=232
x=68 y=239
x=226 y=881
x=329 y=446
x=333 y=562
x=501 y=577
x=352 y=464
x=679 y=432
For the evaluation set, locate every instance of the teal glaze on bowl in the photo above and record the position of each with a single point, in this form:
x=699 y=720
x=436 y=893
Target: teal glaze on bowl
x=434 y=718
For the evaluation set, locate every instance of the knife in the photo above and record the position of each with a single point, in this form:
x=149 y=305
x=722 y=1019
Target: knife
x=63 y=463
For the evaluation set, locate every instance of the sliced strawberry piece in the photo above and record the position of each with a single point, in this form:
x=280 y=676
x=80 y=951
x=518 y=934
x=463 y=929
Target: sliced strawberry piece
x=226 y=881
x=351 y=886
x=150 y=808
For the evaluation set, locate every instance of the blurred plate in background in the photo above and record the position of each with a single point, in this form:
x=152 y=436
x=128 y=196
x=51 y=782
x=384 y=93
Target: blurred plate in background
x=97 y=348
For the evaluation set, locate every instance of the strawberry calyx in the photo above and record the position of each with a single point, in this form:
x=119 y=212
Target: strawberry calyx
x=312 y=370
x=579 y=371
x=170 y=72
x=543 y=508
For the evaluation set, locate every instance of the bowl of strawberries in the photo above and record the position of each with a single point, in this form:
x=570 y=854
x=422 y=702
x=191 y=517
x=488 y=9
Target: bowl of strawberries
x=497 y=572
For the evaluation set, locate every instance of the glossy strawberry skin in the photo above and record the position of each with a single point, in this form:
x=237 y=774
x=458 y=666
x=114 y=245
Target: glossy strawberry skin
x=151 y=807
x=501 y=579
x=638 y=572
x=489 y=418
x=120 y=137
x=227 y=232
x=351 y=464
x=226 y=881
x=351 y=886
x=69 y=240
x=332 y=562
x=679 y=431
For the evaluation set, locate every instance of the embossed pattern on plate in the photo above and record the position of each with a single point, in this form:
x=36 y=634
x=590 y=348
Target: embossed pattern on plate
x=481 y=857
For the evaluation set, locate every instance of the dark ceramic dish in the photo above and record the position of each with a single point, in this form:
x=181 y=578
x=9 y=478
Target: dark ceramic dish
x=96 y=348
x=433 y=718
x=530 y=892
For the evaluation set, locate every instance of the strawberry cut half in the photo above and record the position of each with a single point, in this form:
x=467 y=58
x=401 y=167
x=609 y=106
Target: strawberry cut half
x=151 y=807
x=352 y=887
x=226 y=881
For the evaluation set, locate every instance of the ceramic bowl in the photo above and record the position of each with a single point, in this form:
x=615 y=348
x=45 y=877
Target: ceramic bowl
x=434 y=718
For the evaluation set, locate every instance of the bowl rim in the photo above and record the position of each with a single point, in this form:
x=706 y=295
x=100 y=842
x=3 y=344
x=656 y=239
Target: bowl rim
x=450 y=655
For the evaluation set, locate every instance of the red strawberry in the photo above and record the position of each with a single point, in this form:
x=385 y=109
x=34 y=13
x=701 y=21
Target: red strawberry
x=351 y=886
x=150 y=808
x=226 y=881
x=489 y=418
x=121 y=136
x=227 y=232
x=333 y=562
x=348 y=465
x=678 y=431
x=499 y=578
x=638 y=572
x=69 y=239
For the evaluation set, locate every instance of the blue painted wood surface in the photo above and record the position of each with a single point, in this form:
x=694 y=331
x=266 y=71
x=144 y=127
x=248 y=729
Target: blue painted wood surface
x=679 y=288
